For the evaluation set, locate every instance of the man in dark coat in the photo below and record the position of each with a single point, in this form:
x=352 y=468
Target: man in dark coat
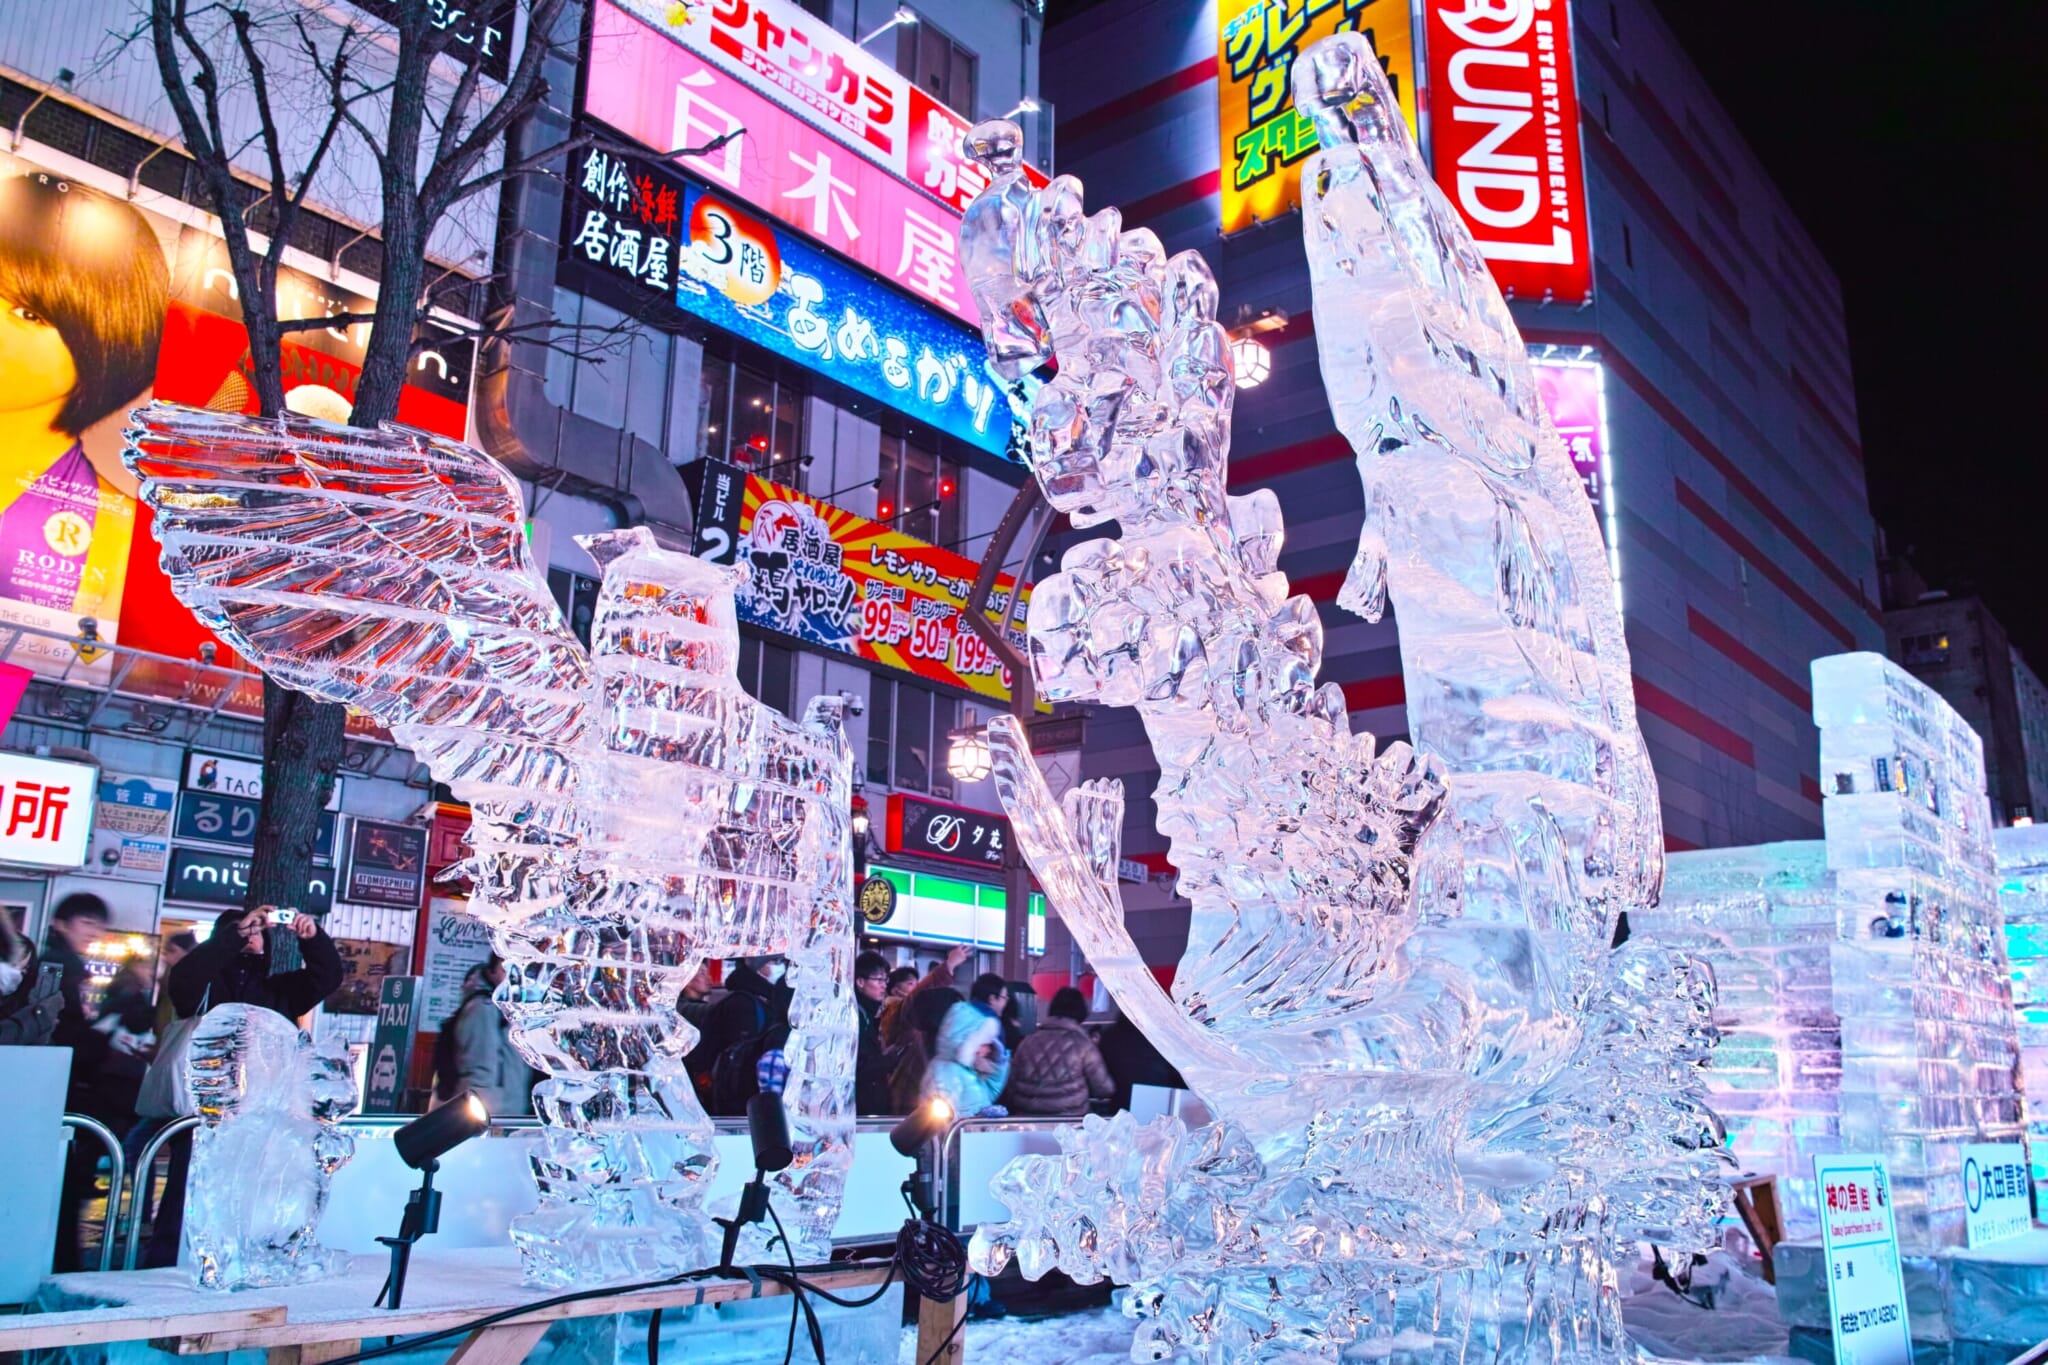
x=756 y=1000
x=870 y=1071
x=75 y=924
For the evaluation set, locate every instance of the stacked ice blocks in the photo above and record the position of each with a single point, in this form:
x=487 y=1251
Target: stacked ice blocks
x=1864 y=993
x=2023 y=895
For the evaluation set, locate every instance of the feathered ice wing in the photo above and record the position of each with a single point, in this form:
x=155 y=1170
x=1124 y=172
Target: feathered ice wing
x=387 y=570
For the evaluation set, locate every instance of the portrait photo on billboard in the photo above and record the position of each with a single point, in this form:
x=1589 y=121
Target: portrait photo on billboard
x=106 y=304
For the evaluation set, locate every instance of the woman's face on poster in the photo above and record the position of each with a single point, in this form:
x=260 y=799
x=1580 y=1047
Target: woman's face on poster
x=35 y=365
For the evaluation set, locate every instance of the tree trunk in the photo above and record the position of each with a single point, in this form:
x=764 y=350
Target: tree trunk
x=302 y=742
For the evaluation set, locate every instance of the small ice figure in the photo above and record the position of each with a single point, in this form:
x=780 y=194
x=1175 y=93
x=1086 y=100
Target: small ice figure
x=269 y=1103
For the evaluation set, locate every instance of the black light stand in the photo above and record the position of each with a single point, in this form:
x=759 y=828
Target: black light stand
x=421 y=1144
x=768 y=1127
x=422 y=1216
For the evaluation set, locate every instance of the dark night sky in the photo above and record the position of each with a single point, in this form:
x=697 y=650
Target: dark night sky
x=1910 y=140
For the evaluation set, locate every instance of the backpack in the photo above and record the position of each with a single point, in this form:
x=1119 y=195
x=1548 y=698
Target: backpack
x=734 y=1080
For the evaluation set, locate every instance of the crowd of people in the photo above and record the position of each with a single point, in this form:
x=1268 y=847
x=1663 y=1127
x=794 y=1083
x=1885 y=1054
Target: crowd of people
x=921 y=1038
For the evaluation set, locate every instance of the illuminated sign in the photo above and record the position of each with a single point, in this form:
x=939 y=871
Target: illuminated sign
x=1504 y=128
x=932 y=829
x=947 y=910
x=131 y=835
x=1574 y=393
x=45 y=810
x=1264 y=140
x=210 y=819
x=840 y=581
x=681 y=246
x=204 y=877
x=387 y=865
x=664 y=96
x=830 y=82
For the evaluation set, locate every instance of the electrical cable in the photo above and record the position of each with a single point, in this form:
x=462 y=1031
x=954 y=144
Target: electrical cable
x=654 y=1338
x=931 y=1258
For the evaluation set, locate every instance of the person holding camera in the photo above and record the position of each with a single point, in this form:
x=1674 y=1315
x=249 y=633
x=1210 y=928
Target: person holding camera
x=238 y=965
x=243 y=962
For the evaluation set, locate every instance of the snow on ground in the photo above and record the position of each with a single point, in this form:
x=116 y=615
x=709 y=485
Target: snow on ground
x=1742 y=1324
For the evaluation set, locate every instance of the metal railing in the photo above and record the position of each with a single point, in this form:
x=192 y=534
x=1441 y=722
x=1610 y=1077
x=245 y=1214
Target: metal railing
x=946 y=1164
x=145 y=1163
x=119 y=1163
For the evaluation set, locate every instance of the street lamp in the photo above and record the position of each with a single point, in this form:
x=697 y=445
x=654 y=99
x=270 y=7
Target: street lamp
x=968 y=758
x=1249 y=358
x=904 y=15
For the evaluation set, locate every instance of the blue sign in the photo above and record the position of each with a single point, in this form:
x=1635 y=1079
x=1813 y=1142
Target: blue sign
x=738 y=271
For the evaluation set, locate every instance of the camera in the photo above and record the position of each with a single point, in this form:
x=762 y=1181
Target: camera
x=283 y=914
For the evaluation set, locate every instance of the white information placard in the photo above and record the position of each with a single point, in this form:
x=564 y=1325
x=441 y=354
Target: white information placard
x=1866 y=1296
x=1996 y=1204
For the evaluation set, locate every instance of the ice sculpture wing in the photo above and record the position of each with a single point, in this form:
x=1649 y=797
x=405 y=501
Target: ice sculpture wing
x=386 y=570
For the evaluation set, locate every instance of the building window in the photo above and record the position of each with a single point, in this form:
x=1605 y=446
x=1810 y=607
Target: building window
x=748 y=415
x=1923 y=651
x=941 y=67
x=605 y=367
x=767 y=672
x=920 y=492
x=907 y=730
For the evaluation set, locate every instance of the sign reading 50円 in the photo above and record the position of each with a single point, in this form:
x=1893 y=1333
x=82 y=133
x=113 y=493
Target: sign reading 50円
x=681 y=247
x=1264 y=140
x=835 y=579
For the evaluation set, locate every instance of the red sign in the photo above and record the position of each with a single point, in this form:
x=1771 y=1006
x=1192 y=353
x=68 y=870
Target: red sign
x=1504 y=121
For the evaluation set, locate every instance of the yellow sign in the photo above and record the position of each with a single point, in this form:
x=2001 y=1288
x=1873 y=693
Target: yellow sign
x=877 y=900
x=1264 y=140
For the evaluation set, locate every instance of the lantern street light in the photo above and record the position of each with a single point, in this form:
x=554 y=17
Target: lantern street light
x=1249 y=358
x=968 y=758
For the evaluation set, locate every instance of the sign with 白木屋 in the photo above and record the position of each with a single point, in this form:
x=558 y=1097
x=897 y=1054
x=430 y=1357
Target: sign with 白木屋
x=1860 y=1243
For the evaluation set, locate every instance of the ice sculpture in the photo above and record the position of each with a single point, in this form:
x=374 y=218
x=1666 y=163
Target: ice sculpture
x=1445 y=1104
x=269 y=1105
x=634 y=812
x=2023 y=896
x=1865 y=999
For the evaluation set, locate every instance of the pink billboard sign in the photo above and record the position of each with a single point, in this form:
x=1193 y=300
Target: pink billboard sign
x=1571 y=393
x=654 y=90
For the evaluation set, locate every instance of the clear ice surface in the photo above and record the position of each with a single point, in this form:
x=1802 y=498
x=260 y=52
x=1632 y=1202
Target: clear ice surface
x=269 y=1142
x=1445 y=1105
x=1865 y=1003
x=634 y=812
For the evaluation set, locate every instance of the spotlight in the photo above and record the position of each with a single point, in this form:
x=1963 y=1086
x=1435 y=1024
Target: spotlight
x=768 y=1129
x=913 y=1136
x=421 y=1144
x=920 y=1126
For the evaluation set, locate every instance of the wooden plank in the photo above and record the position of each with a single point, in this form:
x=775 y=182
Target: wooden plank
x=312 y=1353
x=941 y=1335
x=410 y=1321
x=506 y=1344
x=95 y=1326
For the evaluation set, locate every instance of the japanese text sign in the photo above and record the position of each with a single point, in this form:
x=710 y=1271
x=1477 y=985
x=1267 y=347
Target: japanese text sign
x=1504 y=127
x=840 y=581
x=131 y=835
x=1264 y=140
x=933 y=829
x=1866 y=1296
x=1997 y=1201
x=45 y=810
x=833 y=84
x=703 y=255
x=661 y=94
x=1571 y=394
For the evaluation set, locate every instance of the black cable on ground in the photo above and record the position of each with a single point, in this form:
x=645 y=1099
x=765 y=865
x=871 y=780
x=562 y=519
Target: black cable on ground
x=932 y=1259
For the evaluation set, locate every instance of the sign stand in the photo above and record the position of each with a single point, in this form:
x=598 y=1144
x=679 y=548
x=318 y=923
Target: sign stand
x=1860 y=1242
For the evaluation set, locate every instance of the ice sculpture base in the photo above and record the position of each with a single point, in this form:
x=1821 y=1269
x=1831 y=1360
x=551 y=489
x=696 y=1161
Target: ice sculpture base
x=565 y=1248
x=1976 y=1307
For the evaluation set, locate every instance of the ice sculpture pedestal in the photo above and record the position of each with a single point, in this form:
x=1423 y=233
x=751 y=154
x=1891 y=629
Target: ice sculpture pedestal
x=1981 y=1307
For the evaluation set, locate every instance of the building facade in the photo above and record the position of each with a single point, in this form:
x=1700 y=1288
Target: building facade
x=1957 y=647
x=1697 y=364
x=765 y=351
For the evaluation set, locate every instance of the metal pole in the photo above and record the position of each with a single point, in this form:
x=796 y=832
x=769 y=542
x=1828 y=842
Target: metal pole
x=144 y=1165
x=120 y=1175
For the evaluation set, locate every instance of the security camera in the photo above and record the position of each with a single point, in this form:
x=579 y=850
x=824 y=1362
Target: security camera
x=855 y=703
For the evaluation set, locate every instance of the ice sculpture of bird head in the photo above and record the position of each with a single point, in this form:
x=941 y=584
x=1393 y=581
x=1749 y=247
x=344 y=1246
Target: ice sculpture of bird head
x=634 y=811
